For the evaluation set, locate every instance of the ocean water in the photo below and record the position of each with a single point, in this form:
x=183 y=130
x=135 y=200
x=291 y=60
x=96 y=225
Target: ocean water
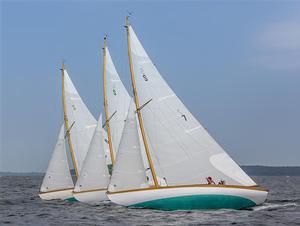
x=20 y=205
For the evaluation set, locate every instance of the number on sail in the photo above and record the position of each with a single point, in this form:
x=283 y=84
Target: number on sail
x=145 y=77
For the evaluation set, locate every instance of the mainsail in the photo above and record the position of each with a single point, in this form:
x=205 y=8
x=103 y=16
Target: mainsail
x=129 y=171
x=81 y=123
x=94 y=172
x=116 y=100
x=58 y=174
x=181 y=149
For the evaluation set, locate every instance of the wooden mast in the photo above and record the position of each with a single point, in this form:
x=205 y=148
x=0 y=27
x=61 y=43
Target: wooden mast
x=112 y=157
x=138 y=110
x=66 y=119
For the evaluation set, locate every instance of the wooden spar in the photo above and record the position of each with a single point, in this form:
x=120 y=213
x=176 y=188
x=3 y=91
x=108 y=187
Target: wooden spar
x=66 y=120
x=106 y=106
x=138 y=110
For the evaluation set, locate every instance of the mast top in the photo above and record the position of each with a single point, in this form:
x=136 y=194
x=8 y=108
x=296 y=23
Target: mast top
x=105 y=40
x=62 y=64
x=127 y=21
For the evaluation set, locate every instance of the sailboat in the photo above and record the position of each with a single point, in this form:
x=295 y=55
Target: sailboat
x=79 y=126
x=94 y=178
x=92 y=183
x=180 y=152
x=57 y=182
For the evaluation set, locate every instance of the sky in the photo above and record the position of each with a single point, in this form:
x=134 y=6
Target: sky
x=235 y=65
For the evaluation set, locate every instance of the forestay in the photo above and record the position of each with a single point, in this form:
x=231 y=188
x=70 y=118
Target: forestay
x=129 y=171
x=118 y=101
x=94 y=172
x=182 y=150
x=81 y=122
x=58 y=174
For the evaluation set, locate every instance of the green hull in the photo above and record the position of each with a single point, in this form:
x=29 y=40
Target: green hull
x=198 y=202
x=72 y=199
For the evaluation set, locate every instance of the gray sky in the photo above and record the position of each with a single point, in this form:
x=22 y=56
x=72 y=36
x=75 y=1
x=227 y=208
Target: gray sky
x=235 y=66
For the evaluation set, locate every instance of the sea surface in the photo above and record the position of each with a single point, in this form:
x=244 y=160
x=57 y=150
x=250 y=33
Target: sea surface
x=21 y=205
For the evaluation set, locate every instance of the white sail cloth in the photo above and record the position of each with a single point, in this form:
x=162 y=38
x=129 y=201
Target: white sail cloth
x=58 y=174
x=81 y=122
x=94 y=173
x=129 y=171
x=106 y=148
x=182 y=150
x=118 y=101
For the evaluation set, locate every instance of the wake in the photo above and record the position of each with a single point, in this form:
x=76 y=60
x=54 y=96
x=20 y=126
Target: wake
x=272 y=206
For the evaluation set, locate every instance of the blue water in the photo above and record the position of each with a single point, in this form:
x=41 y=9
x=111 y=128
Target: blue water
x=20 y=205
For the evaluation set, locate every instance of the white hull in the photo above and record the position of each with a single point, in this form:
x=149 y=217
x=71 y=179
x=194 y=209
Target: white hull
x=91 y=197
x=191 y=198
x=62 y=194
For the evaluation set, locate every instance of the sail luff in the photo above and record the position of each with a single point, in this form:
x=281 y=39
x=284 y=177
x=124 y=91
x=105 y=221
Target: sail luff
x=136 y=99
x=106 y=106
x=66 y=121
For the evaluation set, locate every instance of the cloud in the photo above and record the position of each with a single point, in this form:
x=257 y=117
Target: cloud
x=282 y=36
x=278 y=46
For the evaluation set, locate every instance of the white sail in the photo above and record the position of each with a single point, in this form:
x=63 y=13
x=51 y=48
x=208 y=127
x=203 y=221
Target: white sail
x=182 y=150
x=81 y=122
x=129 y=171
x=58 y=174
x=118 y=101
x=94 y=172
x=106 y=148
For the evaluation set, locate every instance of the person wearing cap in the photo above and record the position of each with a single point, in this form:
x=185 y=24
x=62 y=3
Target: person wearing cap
x=221 y=182
x=210 y=180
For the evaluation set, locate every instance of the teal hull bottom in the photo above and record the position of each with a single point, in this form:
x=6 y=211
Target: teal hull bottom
x=72 y=199
x=194 y=202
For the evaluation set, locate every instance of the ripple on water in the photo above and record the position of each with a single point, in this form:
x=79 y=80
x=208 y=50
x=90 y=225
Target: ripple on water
x=20 y=205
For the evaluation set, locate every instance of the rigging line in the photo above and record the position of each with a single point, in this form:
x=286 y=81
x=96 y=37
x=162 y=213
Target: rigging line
x=143 y=105
x=68 y=131
x=108 y=120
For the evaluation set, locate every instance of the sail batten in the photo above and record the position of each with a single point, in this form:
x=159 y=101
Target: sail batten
x=184 y=151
